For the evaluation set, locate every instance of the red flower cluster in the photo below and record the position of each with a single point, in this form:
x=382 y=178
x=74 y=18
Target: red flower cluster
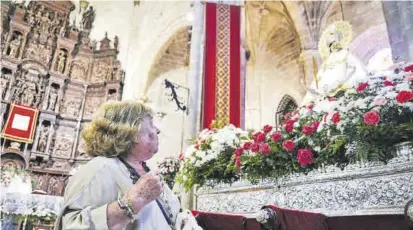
x=404 y=96
x=362 y=87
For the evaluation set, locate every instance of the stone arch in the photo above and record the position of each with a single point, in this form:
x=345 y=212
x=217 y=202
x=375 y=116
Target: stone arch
x=368 y=43
x=142 y=67
x=172 y=55
x=286 y=105
x=14 y=159
x=35 y=65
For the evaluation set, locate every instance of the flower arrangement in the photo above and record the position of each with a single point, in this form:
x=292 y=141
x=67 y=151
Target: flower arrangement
x=39 y=214
x=361 y=124
x=16 y=180
x=210 y=157
x=169 y=167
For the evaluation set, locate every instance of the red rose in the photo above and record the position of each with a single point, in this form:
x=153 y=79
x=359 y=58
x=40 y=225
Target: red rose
x=238 y=161
x=247 y=145
x=239 y=151
x=315 y=125
x=372 y=118
x=307 y=130
x=288 y=145
x=310 y=106
x=255 y=147
x=276 y=137
x=289 y=128
x=362 y=87
x=259 y=137
x=305 y=157
x=404 y=96
x=388 y=83
x=335 y=118
x=265 y=148
x=267 y=128
x=408 y=68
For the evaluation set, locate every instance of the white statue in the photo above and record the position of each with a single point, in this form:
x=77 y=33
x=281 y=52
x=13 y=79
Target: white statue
x=340 y=70
x=186 y=221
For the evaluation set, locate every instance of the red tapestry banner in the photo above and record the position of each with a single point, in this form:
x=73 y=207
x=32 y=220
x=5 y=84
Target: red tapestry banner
x=21 y=124
x=222 y=69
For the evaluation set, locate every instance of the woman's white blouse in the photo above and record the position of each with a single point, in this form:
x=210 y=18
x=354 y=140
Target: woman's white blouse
x=98 y=183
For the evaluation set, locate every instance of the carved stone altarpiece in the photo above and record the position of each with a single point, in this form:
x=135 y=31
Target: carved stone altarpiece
x=51 y=65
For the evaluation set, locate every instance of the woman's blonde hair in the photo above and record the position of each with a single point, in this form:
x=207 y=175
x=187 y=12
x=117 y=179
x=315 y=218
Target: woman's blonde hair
x=113 y=130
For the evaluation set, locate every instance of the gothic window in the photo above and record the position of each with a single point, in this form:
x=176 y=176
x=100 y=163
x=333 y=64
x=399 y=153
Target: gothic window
x=287 y=105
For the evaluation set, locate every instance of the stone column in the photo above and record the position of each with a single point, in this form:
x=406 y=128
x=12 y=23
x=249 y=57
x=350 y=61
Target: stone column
x=49 y=138
x=79 y=121
x=310 y=60
x=59 y=98
x=193 y=123
x=46 y=97
x=399 y=21
x=36 y=140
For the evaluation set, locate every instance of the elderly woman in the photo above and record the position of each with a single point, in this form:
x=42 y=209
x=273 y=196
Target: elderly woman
x=116 y=190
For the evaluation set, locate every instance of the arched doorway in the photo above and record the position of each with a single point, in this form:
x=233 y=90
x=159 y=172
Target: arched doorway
x=287 y=105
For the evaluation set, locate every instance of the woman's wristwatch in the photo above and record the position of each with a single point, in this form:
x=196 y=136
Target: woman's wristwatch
x=126 y=208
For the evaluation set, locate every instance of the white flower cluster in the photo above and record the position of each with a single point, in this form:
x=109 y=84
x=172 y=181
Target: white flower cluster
x=15 y=182
x=211 y=143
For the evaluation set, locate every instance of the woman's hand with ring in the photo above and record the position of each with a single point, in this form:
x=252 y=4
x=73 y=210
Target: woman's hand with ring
x=148 y=188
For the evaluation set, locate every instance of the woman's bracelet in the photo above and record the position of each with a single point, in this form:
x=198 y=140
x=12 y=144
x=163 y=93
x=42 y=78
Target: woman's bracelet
x=126 y=208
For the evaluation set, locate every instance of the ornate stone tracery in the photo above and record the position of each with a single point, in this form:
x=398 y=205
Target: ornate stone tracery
x=55 y=67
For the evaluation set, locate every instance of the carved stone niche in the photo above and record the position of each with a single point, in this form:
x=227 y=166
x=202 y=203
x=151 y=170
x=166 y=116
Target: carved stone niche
x=41 y=182
x=70 y=108
x=13 y=160
x=51 y=103
x=95 y=97
x=102 y=70
x=43 y=136
x=60 y=65
x=39 y=47
x=28 y=87
x=64 y=139
x=81 y=146
x=14 y=44
x=79 y=70
x=5 y=81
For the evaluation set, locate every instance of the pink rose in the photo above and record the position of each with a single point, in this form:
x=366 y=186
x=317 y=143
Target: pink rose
x=276 y=137
x=267 y=128
x=315 y=125
x=362 y=87
x=265 y=148
x=372 y=118
x=288 y=145
x=239 y=151
x=238 y=161
x=305 y=157
x=336 y=118
x=247 y=145
x=259 y=137
x=307 y=130
x=404 y=96
x=379 y=101
x=255 y=147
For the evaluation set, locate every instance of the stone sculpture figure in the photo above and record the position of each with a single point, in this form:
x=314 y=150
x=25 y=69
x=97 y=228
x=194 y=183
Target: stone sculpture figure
x=340 y=69
x=116 y=42
x=44 y=133
x=87 y=18
x=15 y=47
x=52 y=99
x=61 y=62
x=29 y=93
x=4 y=85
